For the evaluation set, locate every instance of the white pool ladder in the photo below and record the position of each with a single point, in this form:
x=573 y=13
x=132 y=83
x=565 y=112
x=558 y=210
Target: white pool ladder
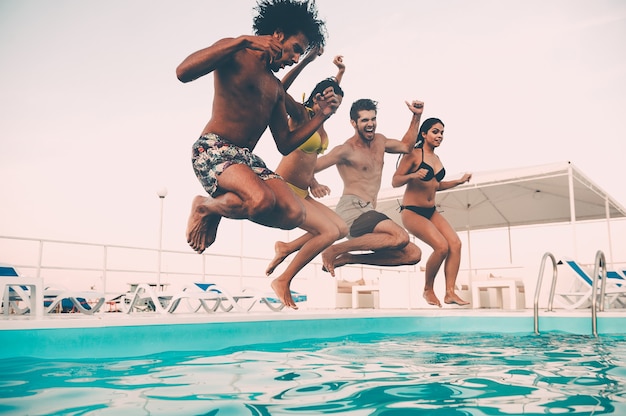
x=600 y=262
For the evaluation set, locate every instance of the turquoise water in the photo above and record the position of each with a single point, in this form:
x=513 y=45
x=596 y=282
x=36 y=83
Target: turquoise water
x=417 y=374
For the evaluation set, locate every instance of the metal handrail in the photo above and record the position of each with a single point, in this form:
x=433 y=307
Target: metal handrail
x=599 y=262
x=538 y=288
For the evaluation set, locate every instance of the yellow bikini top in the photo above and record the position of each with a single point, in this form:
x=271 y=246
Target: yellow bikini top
x=314 y=144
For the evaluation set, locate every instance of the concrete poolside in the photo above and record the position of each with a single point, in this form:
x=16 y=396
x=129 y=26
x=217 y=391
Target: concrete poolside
x=526 y=316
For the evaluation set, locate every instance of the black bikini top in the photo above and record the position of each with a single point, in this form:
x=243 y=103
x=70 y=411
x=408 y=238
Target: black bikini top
x=431 y=172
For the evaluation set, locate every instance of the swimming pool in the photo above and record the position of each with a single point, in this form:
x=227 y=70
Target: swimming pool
x=413 y=374
x=290 y=364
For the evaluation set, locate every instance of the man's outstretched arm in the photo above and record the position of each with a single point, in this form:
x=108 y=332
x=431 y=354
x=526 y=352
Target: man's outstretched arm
x=208 y=59
x=410 y=137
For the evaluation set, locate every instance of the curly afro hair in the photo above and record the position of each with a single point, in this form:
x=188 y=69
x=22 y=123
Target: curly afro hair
x=291 y=17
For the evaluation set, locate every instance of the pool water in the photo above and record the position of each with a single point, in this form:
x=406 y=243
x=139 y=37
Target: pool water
x=416 y=374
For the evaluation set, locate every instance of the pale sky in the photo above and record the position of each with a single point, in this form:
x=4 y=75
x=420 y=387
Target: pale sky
x=93 y=120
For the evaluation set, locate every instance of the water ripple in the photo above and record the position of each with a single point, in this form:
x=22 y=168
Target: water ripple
x=434 y=374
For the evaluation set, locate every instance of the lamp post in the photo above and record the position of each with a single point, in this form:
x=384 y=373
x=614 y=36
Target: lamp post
x=161 y=193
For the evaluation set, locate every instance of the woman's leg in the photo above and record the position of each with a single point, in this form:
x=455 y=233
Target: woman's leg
x=323 y=230
x=426 y=231
x=283 y=249
x=453 y=260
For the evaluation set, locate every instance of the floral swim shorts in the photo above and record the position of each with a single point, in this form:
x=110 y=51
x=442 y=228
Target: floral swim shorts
x=211 y=155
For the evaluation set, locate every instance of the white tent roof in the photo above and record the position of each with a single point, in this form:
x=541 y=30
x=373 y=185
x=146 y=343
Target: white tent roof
x=534 y=195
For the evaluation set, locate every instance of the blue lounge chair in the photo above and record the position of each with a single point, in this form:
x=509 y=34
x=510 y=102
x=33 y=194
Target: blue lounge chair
x=615 y=290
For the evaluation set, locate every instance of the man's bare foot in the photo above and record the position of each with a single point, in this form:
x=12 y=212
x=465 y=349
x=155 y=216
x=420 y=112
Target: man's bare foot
x=339 y=261
x=453 y=298
x=342 y=260
x=282 y=252
x=283 y=292
x=328 y=261
x=201 y=225
x=431 y=298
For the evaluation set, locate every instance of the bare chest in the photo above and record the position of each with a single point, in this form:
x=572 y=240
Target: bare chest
x=251 y=85
x=366 y=162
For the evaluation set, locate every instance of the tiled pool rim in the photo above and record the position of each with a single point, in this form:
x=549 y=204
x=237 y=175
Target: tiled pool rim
x=117 y=335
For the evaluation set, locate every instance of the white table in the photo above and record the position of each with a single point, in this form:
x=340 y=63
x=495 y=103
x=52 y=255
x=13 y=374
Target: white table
x=358 y=289
x=35 y=294
x=498 y=284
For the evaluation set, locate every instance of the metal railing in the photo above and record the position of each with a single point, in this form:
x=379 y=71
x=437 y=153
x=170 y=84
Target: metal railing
x=600 y=263
x=538 y=288
x=90 y=264
x=105 y=260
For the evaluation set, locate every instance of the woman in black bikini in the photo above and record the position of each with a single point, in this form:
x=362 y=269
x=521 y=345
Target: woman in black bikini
x=422 y=172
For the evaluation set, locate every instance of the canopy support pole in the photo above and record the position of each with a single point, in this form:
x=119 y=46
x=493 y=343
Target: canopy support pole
x=469 y=242
x=508 y=228
x=607 y=210
x=572 y=207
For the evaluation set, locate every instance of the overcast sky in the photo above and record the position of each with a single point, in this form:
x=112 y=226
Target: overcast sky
x=93 y=120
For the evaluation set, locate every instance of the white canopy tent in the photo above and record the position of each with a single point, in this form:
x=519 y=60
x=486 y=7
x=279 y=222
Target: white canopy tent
x=554 y=193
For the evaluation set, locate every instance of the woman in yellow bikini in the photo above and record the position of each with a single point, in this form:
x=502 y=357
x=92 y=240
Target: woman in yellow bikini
x=322 y=225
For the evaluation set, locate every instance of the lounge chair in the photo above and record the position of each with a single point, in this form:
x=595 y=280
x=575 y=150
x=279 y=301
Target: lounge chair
x=581 y=297
x=17 y=289
x=208 y=301
x=618 y=276
x=276 y=305
x=241 y=301
x=63 y=300
x=145 y=298
x=245 y=300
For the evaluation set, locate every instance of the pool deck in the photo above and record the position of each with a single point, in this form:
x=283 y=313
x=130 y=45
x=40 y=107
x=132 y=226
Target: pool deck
x=78 y=320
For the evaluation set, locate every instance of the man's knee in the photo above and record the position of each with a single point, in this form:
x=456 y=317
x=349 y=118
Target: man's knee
x=414 y=254
x=260 y=203
x=401 y=239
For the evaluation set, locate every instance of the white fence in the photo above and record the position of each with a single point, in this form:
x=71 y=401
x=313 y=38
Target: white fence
x=113 y=268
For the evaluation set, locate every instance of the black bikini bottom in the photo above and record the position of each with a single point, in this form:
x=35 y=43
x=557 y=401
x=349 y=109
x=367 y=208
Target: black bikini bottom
x=424 y=212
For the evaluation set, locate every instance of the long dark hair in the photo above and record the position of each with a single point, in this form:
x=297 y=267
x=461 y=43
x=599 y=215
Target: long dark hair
x=426 y=125
x=321 y=86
